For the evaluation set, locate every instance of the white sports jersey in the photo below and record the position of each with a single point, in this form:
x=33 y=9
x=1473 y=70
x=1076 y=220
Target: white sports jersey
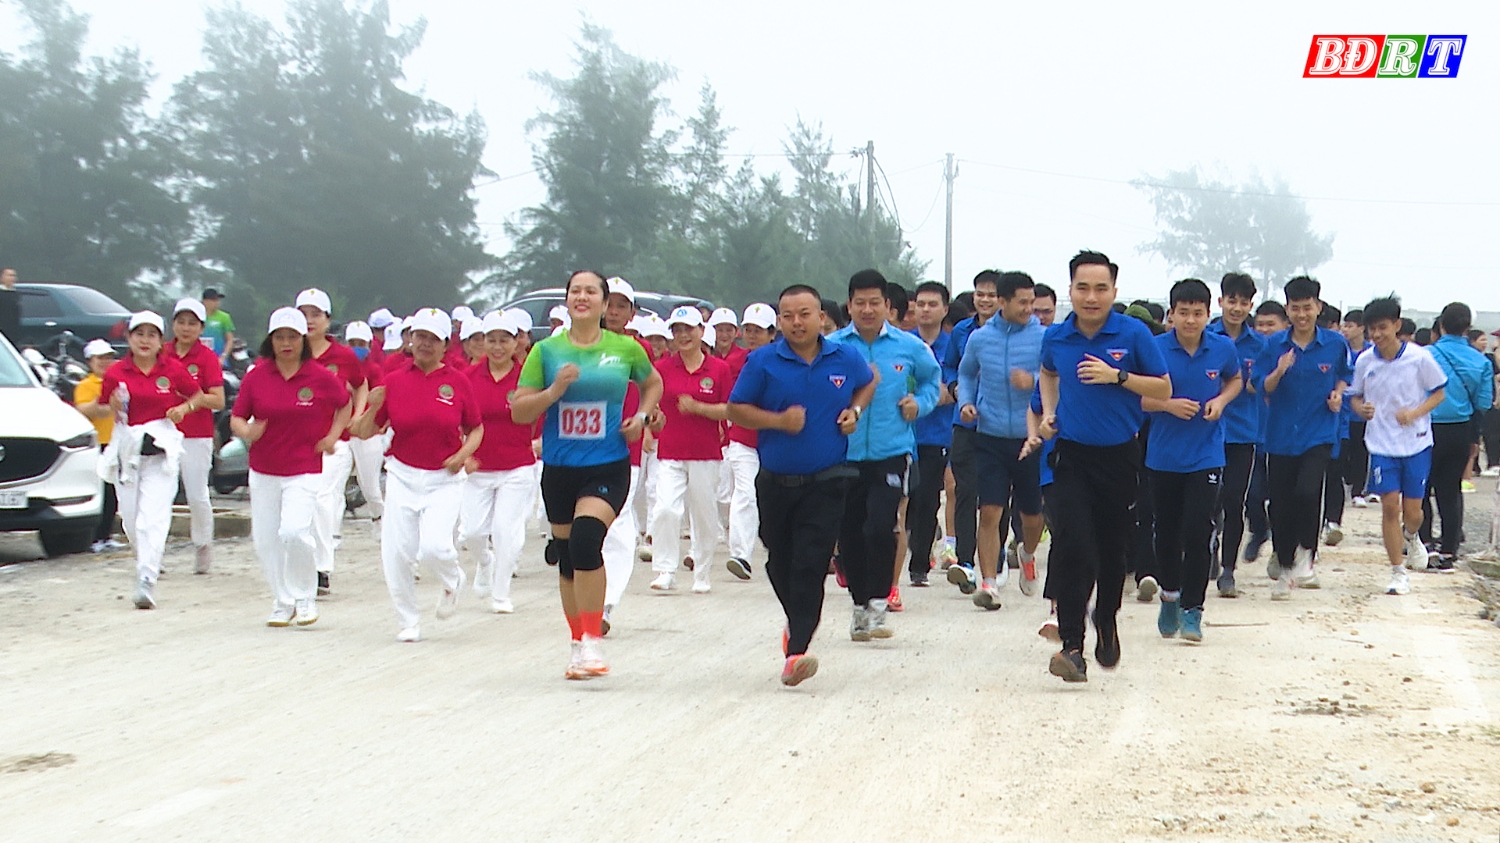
x=1401 y=383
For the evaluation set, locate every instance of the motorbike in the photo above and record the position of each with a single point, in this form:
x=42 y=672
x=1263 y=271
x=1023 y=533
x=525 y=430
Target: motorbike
x=55 y=366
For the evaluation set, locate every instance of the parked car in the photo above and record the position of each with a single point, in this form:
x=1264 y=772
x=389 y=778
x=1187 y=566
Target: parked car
x=49 y=456
x=49 y=310
x=539 y=303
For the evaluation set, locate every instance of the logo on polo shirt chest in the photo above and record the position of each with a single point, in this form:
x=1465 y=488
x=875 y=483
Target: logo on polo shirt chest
x=899 y=367
x=333 y=367
x=163 y=385
x=304 y=396
x=1116 y=354
x=837 y=381
x=1212 y=375
x=1324 y=367
x=707 y=384
x=445 y=394
x=193 y=369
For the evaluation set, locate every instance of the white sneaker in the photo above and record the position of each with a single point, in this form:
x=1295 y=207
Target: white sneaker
x=410 y=635
x=591 y=657
x=575 y=662
x=643 y=550
x=1302 y=568
x=484 y=579
x=859 y=624
x=1282 y=588
x=1146 y=589
x=1333 y=535
x=281 y=615
x=307 y=612
x=1400 y=582
x=988 y=598
x=1492 y=471
x=1002 y=575
x=664 y=582
x=878 y=612
x=502 y=606
x=1416 y=554
x=1361 y=503
x=1373 y=500
x=203 y=560
x=701 y=586
x=1029 y=579
x=145 y=594
x=448 y=602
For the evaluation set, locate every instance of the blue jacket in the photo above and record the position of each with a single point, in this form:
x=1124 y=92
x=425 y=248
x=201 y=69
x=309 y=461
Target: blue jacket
x=1471 y=383
x=955 y=353
x=984 y=374
x=906 y=367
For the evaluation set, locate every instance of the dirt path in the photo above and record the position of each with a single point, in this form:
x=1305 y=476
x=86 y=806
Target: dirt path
x=1342 y=715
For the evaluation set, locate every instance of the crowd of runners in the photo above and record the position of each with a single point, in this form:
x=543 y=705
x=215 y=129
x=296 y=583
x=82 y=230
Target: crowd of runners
x=1161 y=445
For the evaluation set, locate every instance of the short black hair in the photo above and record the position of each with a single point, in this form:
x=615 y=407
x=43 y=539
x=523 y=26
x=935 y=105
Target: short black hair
x=1237 y=284
x=932 y=287
x=1328 y=317
x=965 y=300
x=987 y=276
x=1302 y=288
x=1474 y=334
x=1118 y=307
x=956 y=314
x=1086 y=257
x=1271 y=308
x=1408 y=328
x=899 y=299
x=868 y=279
x=798 y=289
x=1010 y=282
x=1045 y=292
x=1423 y=336
x=1355 y=315
x=1456 y=319
x=1383 y=309
x=268 y=351
x=836 y=312
x=1190 y=291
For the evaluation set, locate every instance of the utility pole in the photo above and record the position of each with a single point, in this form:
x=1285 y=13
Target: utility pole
x=870 y=183
x=950 y=172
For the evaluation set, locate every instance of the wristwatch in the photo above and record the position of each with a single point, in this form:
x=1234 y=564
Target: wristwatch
x=858 y=411
x=1124 y=376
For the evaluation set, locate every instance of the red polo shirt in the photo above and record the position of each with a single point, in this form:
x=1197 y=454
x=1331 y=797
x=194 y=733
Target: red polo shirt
x=736 y=359
x=392 y=362
x=691 y=437
x=297 y=411
x=374 y=373
x=743 y=435
x=341 y=360
x=428 y=412
x=506 y=445
x=203 y=365
x=152 y=393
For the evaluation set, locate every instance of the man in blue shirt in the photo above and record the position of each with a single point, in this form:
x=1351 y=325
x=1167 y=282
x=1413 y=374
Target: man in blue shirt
x=1270 y=317
x=880 y=449
x=1354 y=457
x=1456 y=425
x=934 y=437
x=1303 y=373
x=965 y=501
x=1333 y=479
x=1241 y=422
x=804 y=394
x=1095 y=368
x=995 y=380
x=1186 y=455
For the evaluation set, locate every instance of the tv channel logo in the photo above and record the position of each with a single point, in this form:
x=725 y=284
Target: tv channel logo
x=1384 y=56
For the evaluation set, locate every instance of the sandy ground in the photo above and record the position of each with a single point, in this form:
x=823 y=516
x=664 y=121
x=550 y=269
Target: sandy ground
x=1341 y=715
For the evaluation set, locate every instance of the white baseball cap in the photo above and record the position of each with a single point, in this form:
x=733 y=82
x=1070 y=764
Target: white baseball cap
x=469 y=327
x=358 y=331
x=521 y=317
x=96 y=348
x=722 y=316
x=317 y=298
x=287 y=317
x=760 y=314
x=499 y=321
x=382 y=318
x=620 y=287
x=560 y=313
x=462 y=312
x=145 y=317
x=655 y=327
x=192 y=306
x=393 y=340
x=685 y=315
x=433 y=321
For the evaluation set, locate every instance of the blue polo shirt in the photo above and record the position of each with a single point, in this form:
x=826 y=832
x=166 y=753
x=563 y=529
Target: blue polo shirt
x=1100 y=414
x=1184 y=446
x=775 y=377
x=1047 y=444
x=936 y=428
x=1297 y=414
x=1242 y=418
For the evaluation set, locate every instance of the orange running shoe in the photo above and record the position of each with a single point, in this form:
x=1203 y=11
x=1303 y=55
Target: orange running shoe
x=798 y=668
x=893 y=602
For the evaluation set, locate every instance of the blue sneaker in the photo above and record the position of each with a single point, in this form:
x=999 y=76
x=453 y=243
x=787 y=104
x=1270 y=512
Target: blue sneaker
x=1192 y=625
x=1169 y=619
x=1253 y=546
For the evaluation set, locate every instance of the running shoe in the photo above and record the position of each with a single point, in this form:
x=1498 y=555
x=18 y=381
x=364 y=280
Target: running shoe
x=448 y=601
x=664 y=582
x=859 y=624
x=1169 y=619
x=1333 y=535
x=786 y=639
x=323 y=587
x=1192 y=625
x=1282 y=588
x=1400 y=582
x=798 y=669
x=893 y=602
x=877 y=617
x=575 y=662
x=591 y=657
x=1226 y=585
x=1441 y=563
x=1145 y=590
x=1492 y=471
x=919 y=579
x=410 y=635
x=700 y=583
x=1049 y=629
x=1029 y=579
x=1002 y=574
x=307 y=612
x=1466 y=486
x=1273 y=567
x=502 y=606
x=1360 y=503
x=1373 y=500
x=604 y=619
x=145 y=594
x=1106 y=640
x=987 y=598
x=964 y=578
x=484 y=579
x=1303 y=574
x=281 y=615
x=1415 y=553
x=687 y=561
x=203 y=559
x=1013 y=554
x=948 y=553
x=739 y=567
x=643 y=549
x=1253 y=546
x=1069 y=665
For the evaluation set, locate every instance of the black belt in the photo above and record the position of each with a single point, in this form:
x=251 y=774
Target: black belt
x=792 y=481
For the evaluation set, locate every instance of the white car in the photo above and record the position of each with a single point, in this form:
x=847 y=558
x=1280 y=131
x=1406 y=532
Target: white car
x=49 y=455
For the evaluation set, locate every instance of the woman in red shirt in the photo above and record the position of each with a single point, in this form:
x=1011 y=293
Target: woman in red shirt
x=291 y=411
x=502 y=484
x=150 y=393
x=188 y=318
x=435 y=429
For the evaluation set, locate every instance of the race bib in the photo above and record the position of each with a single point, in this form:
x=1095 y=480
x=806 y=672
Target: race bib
x=580 y=419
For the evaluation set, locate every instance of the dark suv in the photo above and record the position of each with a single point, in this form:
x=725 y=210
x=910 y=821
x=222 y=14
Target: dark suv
x=539 y=303
x=50 y=309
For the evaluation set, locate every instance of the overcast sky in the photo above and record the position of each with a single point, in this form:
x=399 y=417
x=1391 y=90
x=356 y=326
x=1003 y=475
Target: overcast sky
x=1092 y=95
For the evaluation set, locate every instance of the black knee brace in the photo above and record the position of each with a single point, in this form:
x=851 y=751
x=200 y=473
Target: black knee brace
x=556 y=553
x=586 y=544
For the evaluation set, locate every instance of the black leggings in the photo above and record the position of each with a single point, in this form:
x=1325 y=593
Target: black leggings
x=1295 y=484
x=922 y=505
x=1450 y=453
x=1239 y=458
x=1091 y=496
x=1354 y=460
x=1185 y=508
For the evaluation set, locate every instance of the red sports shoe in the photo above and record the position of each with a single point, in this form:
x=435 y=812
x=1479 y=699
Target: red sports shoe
x=893 y=602
x=838 y=573
x=797 y=669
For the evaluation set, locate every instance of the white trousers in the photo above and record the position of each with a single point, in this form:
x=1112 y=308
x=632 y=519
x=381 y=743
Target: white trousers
x=691 y=485
x=281 y=526
x=421 y=513
x=743 y=462
x=369 y=456
x=329 y=518
x=146 y=512
x=619 y=545
x=492 y=522
x=645 y=502
x=197 y=460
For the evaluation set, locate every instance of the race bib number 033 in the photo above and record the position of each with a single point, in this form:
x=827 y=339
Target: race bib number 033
x=580 y=419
